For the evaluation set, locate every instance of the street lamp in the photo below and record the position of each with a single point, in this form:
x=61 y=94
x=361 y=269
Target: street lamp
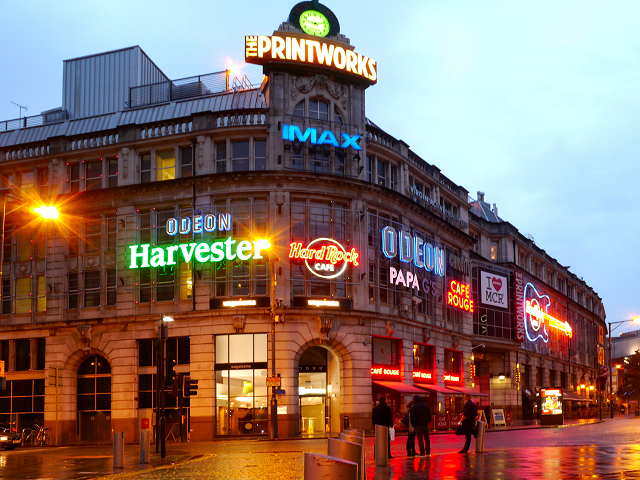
x=617 y=324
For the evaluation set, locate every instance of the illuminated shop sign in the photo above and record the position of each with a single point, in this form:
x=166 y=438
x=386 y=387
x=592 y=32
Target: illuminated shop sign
x=551 y=401
x=385 y=372
x=421 y=376
x=413 y=249
x=536 y=317
x=323 y=303
x=451 y=378
x=494 y=289
x=304 y=302
x=519 y=294
x=301 y=50
x=147 y=255
x=459 y=297
x=239 y=303
x=216 y=303
x=324 y=257
x=293 y=133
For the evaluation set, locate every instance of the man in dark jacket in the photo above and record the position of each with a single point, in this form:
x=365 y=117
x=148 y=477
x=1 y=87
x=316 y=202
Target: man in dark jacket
x=382 y=416
x=420 y=415
x=468 y=421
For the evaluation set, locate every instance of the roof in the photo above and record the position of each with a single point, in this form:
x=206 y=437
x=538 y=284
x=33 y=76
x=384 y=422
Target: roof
x=483 y=210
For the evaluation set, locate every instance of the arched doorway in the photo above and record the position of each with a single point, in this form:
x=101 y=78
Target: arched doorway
x=94 y=400
x=319 y=391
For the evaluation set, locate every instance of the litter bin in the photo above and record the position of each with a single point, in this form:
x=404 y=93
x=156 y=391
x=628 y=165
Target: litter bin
x=480 y=437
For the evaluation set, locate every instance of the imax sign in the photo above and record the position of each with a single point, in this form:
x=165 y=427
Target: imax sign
x=293 y=132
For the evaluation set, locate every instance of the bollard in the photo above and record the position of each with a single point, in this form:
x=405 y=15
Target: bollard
x=381 y=450
x=145 y=446
x=318 y=467
x=348 y=451
x=354 y=431
x=480 y=437
x=118 y=450
x=355 y=438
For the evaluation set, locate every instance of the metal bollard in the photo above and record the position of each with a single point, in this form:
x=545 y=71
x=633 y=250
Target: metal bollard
x=318 y=467
x=348 y=451
x=480 y=437
x=354 y=438
x=145 y=445
x=381 y=450
x=118 y=450
x=354 y=431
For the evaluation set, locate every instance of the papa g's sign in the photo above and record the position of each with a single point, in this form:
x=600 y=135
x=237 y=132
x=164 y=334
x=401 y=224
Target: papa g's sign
x=263 y=50
x=148 y=255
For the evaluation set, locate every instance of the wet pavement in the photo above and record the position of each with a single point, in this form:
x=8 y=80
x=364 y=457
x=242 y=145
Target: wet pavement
x=608 y=450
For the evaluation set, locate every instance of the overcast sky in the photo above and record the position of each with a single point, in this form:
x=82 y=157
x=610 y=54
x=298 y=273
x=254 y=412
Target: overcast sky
x=537 y=104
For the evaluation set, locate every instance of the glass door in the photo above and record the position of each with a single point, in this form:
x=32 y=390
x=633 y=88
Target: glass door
x=315 y=415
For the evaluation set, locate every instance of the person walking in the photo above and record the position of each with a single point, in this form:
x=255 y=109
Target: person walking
x=411 y=433
x=468 y=422
x=420 y=416
x=382 y=416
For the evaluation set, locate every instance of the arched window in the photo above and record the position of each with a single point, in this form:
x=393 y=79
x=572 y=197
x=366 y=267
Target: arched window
x=94 y=385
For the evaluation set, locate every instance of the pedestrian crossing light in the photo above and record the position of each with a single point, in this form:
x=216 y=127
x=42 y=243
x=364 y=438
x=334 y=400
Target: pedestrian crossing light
x=190 y=387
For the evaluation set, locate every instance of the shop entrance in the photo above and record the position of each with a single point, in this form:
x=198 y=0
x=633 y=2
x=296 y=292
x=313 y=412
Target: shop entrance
x=94 y=400
x=319 y=392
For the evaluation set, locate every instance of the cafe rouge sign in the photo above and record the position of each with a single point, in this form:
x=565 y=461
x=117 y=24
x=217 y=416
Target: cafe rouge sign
x=307 y=50
x=147 y=255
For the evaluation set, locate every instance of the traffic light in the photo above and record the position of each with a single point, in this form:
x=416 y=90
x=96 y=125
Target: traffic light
x=190 y=387
x=170 y=374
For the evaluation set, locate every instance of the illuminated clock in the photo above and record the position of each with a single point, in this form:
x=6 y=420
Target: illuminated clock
x=314 y=23
x=314 y=18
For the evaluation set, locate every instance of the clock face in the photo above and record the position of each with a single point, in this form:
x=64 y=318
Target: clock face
x=314 y=23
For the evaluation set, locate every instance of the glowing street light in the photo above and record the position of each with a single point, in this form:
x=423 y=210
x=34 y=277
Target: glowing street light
x=47 y=212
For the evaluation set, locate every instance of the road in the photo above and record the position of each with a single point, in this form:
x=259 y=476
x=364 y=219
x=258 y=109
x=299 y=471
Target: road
x=609 y=450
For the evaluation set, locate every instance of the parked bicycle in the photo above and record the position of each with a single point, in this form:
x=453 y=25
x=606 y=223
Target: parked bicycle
x=42 y=435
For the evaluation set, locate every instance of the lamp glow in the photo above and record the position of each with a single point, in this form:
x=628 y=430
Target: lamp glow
x=47 y=212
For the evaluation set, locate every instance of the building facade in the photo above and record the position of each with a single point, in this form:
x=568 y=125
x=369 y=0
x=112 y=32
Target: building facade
x=285 y=233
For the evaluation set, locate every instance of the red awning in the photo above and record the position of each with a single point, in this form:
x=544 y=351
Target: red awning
x=437 y=388
x=398 y=387
x=473 y=393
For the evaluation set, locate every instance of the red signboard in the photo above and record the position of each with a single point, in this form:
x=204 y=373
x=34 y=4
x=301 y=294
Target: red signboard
x=385 y=372
x=452 y=379
x=442 y=422
x=459 y=296
x=507 y=416
x=455 y=419
x=519 y=298
x=420 y=376
x=144 y=424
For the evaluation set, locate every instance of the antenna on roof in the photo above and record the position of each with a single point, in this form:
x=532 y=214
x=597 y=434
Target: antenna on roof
x=21 y=107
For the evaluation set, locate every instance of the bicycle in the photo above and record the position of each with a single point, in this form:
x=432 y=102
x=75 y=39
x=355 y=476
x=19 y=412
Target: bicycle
x=42 y=436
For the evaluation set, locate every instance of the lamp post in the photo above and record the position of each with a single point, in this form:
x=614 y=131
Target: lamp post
x=160 y=429
x=275 y=318
x=617 y=324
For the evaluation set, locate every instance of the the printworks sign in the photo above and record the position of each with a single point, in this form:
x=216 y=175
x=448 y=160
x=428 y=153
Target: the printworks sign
x=324 y=257
x=148 y=255
x=300 y=50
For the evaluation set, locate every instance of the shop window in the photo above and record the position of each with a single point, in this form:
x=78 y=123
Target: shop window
x=385 y=351
x=240 y=156
x=241 y=394
x=186 y=162
x=22 y=403
x=452 y=362
x=147 y=395
x=423 y=357
x=221 y=157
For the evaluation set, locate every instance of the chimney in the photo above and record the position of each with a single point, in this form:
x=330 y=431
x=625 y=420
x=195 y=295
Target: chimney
x=480 y=196
x=495 y=209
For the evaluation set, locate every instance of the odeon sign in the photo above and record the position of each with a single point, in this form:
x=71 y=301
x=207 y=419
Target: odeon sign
x=324 y=257
x=262 y=49
x=148 y=255
x=413 y=249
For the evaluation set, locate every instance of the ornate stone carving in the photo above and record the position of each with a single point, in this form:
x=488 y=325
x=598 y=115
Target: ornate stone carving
x=200 y=140
x=239 y=322
x=455 y=341
x=391 y=328
x=125 y=162
x=325 y=324
x=86 y=335
x=426 y=335
x=54 y=180
x=301 y=84
x=528 y=358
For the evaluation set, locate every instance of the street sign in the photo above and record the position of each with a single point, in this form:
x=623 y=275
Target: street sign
x=273 y=381
x=280 y=392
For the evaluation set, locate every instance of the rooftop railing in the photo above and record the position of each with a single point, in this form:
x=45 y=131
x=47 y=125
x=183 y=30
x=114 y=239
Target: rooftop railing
x=34 y=120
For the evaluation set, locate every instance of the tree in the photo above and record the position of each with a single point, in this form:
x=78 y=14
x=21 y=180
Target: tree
x=629 y=388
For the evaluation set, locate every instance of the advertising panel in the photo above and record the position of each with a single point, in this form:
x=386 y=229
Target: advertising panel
x=551 y=399
x=494 y=289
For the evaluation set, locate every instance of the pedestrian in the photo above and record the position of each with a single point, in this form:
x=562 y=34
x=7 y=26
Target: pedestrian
x=467 y=422
x=420 y=416
x=411 y=433
x=382 y=416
